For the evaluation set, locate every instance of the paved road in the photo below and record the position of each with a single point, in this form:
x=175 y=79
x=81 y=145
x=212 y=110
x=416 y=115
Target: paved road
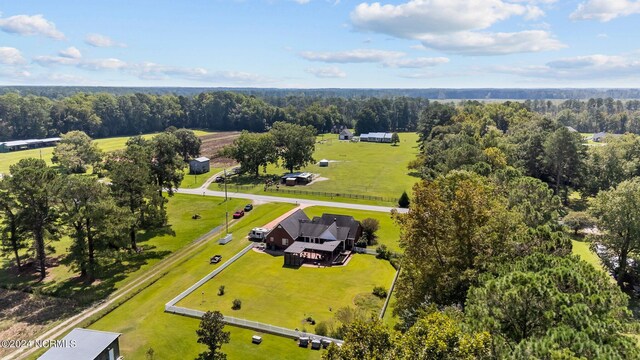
x=307 y=202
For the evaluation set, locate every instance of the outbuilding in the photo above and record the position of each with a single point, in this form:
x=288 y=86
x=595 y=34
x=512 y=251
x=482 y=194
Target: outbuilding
x=323 y=163
x=199 y=165
x=85 y=344
x=345 y=134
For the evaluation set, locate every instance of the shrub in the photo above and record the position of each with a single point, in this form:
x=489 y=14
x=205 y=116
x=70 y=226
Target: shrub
x=362 y=242
x=322 y=329
x=403 y=202
x=221 y=290
x=380 y=292
x=369 y=228
x=237 y=304
x=383 y=252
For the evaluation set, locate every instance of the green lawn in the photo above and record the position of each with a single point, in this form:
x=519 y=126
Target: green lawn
x=144 y=324
x=195 y=181
x=357 y=168
x=182 y=230
x=581 y=248
x=388 y=233
x=106 y=145
x=273 y=294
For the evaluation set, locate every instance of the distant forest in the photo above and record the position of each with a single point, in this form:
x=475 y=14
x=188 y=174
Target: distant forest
x=52 y=111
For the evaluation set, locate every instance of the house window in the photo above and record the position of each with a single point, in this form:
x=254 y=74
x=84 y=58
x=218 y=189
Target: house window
x=271 y=239
x=285 y=242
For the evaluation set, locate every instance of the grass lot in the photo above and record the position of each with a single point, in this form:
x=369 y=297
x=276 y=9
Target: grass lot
x=106 y=145
x=273 y=294
x=195 y=181
x=388 y=234
x=62 y=281
x=144 y=324
x=581 y=248
x=357 y=168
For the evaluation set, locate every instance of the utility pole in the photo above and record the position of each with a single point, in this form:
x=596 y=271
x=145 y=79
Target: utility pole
x=226 y=206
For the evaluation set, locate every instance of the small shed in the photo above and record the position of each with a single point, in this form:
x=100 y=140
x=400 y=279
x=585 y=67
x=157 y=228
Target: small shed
x=85 y=344
x=291 y=181
x=323 y=163
x=199 y=165
x=345 y=134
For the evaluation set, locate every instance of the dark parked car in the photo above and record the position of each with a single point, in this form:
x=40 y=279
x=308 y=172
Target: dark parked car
x=215 y=259
x=238 y=214
x=248 y=207
x=219 y=179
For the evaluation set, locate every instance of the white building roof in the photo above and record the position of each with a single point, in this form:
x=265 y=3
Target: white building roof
x=201 y=159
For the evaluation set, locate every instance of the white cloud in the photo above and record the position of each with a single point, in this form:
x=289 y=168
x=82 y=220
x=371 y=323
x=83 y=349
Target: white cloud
x=99 y=40
x=605 y=10
x=416 y=63
x=580 y=68
x=480 y=43
x=30 y=25
x=456 y=25
x=302 y=1
x=352 y=56
x=70 y=52
x=153 y=71
x=327 y=72
x=11 y=56
x=418 y=17
x=47 y=60
x=103 y=64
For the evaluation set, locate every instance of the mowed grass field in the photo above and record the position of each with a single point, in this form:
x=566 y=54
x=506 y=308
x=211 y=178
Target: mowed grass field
x=358 y=168
x=282 y=296
x=106 y=145
x=144 y=324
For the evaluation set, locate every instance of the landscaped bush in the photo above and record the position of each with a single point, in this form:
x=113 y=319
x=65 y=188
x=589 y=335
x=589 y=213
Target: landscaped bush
x=380 y=292
x=237 y=304
x=383 y=252
x=403 y=202
x=310 y=320
x=221 y=290
x=322 y=329
x=362 y=242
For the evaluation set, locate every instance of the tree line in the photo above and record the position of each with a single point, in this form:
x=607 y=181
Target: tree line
x=106 y=115
x=41 y=203
x=487 y=270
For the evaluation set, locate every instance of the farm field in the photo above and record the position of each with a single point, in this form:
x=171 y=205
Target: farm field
x=106 y=145
x=355 y=168
x=273 y=294
x=144 y=324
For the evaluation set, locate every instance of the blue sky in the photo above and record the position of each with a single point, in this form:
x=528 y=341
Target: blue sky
x=321 y=43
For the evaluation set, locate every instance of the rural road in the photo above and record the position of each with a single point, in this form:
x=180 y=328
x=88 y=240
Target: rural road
x=307 y=202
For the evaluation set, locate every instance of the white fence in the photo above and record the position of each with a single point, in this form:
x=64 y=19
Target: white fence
x=367 y=251
x=254 y=325
x=208 y=277
x=386 y=301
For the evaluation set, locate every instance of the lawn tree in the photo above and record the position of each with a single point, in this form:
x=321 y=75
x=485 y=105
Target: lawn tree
x=524 y=308
x=403 y=202
x=75 y=152
x=253 y=151
x=211 y=333
x=578 y=220
x=133 y=187
x=369 y=228
x=189 y=143
x=12 y=233
x=295 y=144
x=395 y=139
x=31 y=182
x=166 y=163
x=617 y=213
x=93 y=218
x=563 y=158
x=456 y=229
